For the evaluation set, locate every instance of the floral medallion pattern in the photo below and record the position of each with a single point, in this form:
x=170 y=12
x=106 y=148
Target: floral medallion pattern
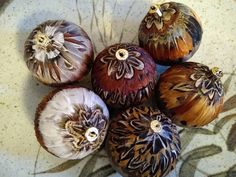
x=82 y=120
x=156 y=19
x=47 y=40
x=57 y=51
x=122 y=68
x=207 y=82
x=133 y=141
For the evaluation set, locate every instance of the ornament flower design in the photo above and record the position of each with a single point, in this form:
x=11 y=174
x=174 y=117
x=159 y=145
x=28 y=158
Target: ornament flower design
x=48 y=43
x=154 y=16
x=207 y=82
x=86 y=127
x=162 y=137
x=124 y=66
x=146 y=133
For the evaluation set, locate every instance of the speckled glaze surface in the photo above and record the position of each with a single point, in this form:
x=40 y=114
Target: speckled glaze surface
x=206 y=152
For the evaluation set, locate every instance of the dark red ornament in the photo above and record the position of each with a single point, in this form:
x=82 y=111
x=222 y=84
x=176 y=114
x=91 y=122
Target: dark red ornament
x=124 y=75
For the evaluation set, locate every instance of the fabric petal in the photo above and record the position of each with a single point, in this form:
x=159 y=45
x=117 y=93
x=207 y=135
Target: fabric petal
x=107 y=59
x=136 y=63
x=50 y=30
x=111 y=67
x=167 y=16
x=129 y=72
x=120 y=70
x=165 y=6
x=159 y=24
x=171 y=11
x=149 y=23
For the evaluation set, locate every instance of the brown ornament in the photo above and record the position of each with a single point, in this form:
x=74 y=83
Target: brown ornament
x=58 y=52
x=142 y=141
x=71 y=123
x=191 y=94
x=124 y=75
x=170 y=32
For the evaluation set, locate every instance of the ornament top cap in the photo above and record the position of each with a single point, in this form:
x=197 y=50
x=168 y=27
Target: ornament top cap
x=155 y=8
x=217 y=72
x=122 y=54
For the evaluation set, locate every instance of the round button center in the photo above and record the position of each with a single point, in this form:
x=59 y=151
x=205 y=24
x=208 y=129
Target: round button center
x=122 y=54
